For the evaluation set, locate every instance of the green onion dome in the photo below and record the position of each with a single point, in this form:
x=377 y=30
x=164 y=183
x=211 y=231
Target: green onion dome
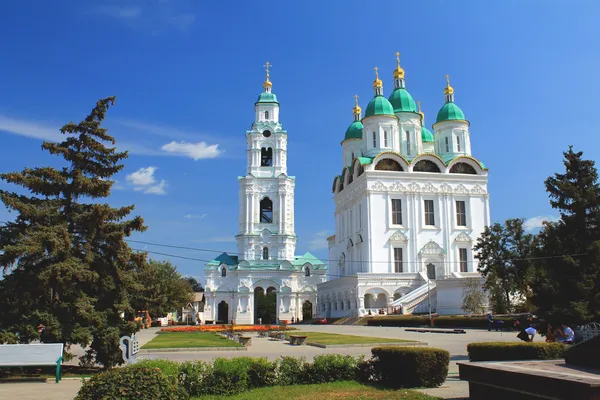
x=450 y=112
x=354 y=131
x=402 y=101
x=267 y=97
x=426 y=135
x=379 y=105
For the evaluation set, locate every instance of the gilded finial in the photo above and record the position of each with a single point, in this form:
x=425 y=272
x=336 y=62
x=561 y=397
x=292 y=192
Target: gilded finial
x=449 y=89
x=420 y=112
x=377 y=82
x=267 y=83
x=398 y=72
x=356 y=109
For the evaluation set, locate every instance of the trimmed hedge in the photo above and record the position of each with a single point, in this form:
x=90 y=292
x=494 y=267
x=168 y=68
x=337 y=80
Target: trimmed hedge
x=406 y=367
x=132 y=383
x=502 y=351
x=333 y=367
x=400 y=320
x=584 y=354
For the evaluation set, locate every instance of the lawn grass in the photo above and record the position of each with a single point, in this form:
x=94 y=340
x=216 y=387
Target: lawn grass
x=334 y=338
x=174 y=340
x=336 y=390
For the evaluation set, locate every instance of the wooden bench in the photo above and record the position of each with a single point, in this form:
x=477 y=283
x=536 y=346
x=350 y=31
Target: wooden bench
x=32 y=355
x=297 y=340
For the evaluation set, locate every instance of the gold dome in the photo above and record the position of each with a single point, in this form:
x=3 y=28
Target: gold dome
x=267 y=83
x=377 y=83
x=398 y=72
x=448 y=89
x=356 y=109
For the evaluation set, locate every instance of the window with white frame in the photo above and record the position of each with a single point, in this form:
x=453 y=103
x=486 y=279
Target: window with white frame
x=462 y=257
x=461 y=213
x=396 y=212
x=385 y=139
x=374 y=139
x=398 y=265
x=447 y=145
x=429 y=213
x=458 y=143
x=407 y=143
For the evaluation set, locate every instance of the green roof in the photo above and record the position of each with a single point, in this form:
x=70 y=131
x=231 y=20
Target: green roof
x=402 y=101
x=450 y=111
x=379 y=105
x=308 y=258
x=224 y=258
x=265 y=97
x=354 y=131
x=365 y=160
x=426 y=135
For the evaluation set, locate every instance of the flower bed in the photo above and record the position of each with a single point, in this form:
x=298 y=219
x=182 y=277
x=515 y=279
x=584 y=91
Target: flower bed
x=227 y=328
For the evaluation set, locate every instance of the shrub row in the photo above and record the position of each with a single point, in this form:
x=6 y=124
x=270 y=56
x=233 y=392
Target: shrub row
x=502 y=351
x=158 y=379
x=438 y=322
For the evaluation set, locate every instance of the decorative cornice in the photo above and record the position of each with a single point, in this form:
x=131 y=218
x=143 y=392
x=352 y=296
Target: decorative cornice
x=463 y=238
x=398 y=236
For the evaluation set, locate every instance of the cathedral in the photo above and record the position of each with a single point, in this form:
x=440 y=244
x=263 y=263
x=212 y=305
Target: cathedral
x=265 y=282
x=409 y=205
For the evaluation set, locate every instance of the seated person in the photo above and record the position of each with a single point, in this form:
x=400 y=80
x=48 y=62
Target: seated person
x=550 y=334
x=567 y=335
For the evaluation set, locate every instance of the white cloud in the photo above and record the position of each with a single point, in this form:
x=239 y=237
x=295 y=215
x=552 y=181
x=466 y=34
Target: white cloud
x=318 y=241
x=217 y=239
x=196 y=151
x=535 y=223
x=151 y=16
x=194 y=216
x=29 y=129
x=143 y=180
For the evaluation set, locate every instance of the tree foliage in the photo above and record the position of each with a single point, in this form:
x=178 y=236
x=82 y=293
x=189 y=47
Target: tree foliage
x=196 y=286
x=474 y=299
x=568 y=277
x=164 y=289
x=502 y=251
x=66 y=263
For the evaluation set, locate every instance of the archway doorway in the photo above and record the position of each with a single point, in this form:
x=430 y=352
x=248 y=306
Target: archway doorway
x=431 y=271
x=265 y=309
x=307 y=311
x=223 y=312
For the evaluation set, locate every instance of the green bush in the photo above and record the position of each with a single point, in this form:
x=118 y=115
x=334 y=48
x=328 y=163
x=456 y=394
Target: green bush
x=228 y=376
x=132 y=383
x=168 y=368
x=195 y=377
x=293 y=371
x=400 y=320
x=332 y=368
x=366 y=371
x=584 y=354
x=502 y=351
x=406 y=367
x=262 y=372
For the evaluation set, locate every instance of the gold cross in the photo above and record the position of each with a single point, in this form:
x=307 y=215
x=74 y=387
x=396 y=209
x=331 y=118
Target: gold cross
x=267 y=65
x=376 y=72
x=398 y=57
x=356 y=98
x=448 y=79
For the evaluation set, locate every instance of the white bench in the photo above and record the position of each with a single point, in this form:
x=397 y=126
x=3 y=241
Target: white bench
x=32 y=355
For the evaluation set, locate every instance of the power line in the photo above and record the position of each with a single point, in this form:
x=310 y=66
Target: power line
x=179 y=247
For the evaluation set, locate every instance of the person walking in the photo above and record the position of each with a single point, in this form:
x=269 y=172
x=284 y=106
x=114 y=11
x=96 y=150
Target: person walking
x=490 y=319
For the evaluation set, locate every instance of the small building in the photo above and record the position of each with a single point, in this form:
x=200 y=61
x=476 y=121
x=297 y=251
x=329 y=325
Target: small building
x=193 y=312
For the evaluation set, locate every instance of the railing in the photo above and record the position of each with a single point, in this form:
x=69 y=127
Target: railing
x=412 y=299
x=387 y=276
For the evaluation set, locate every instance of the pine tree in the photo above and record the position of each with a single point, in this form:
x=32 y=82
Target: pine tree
x=565 y=288
x=66 y=264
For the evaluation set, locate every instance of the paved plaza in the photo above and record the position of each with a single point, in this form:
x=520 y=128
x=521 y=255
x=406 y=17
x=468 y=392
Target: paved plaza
x=456 y=344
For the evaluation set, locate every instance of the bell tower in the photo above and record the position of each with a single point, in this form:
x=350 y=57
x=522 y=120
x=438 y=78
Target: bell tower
x=266 y=214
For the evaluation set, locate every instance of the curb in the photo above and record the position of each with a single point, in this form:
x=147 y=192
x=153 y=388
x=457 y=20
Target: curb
x=191 y=349
x=396 y=344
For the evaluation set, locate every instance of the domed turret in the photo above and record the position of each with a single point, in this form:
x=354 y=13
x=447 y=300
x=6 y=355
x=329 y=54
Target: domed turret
x=379 y=105
x=401 y=100
x=426 y=135
x=355 y=129
x=450 y=111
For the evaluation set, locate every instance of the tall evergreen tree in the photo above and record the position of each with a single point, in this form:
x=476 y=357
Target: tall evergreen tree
x=567 y=281
x=66 y=264
x=502 y=251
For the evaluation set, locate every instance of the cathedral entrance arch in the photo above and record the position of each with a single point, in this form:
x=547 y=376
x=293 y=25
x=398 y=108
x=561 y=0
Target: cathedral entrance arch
x=265 y=305
x=307 y=311
x=223 y=312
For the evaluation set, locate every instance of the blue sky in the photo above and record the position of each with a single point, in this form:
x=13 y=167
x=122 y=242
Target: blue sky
x=186 y=75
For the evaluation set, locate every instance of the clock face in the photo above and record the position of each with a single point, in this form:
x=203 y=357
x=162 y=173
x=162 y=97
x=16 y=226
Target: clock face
x=267 y=133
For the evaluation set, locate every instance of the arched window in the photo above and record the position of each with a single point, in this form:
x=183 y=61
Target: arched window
x=266 y=157
x=223 y=272
x=266 y=115
x=307 y=271
x=387 y=164
x=426 y=166
x=265 y=253
x=352 y=156
x=462 y=168
x=266 y=211
x=374 y=139
x=408 y=143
